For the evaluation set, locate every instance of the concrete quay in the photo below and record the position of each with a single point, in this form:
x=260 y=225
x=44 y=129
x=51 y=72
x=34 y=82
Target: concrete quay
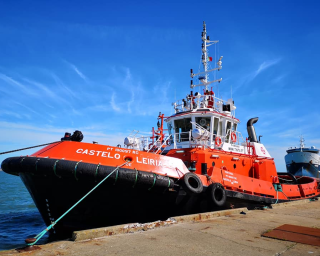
x=228 y=232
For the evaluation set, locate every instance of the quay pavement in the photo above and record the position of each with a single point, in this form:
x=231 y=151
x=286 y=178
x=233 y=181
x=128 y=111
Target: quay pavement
x=229 y=232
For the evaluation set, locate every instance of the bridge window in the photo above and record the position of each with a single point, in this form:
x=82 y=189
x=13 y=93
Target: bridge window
x=215 y=125
x=182 y=128
x=204 y=122
x=170 y=132
x=234 y=126
x=169 y=125
x=227 y=129
x=220 y=129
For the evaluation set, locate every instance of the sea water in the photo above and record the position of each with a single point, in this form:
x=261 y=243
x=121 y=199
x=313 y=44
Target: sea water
x=19 y=217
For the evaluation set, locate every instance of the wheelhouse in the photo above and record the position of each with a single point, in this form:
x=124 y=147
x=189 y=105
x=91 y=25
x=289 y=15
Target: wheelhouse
x=204 y=126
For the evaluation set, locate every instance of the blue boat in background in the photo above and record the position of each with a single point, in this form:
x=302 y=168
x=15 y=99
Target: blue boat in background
x=303 y=161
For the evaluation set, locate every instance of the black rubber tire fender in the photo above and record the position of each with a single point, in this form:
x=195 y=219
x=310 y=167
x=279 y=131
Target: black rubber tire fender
x=192 y=184
x=217 y=194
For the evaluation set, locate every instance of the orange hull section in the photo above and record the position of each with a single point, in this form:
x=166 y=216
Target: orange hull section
x=245 y=174
x=114 y=156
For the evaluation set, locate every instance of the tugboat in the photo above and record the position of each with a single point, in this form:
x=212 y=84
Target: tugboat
x=202 y=164
x=303 y=161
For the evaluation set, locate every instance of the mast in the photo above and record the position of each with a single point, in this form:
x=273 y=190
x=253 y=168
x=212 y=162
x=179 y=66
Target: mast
x=204 y=78
x=204 y=52
x=301 y=142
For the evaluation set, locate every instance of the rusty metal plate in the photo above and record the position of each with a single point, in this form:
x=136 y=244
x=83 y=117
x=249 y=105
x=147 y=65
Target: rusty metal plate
x=300 y=230
x=298 y=234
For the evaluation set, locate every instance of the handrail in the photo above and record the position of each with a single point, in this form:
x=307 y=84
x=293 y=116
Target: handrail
x=177 y=137
x=164 y=142
x=154 y=145
x=294 y=179
x=239 y=134
x=201 y=102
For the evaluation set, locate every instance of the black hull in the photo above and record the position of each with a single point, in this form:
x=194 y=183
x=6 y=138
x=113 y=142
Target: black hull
x=127 y=196
x=106 y=206
x=111 y=205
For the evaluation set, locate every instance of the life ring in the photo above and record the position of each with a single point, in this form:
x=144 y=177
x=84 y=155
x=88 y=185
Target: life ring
x=233 y=137
x=168 y=143
x=218 y=141
x=217 y=194
x=192 y=184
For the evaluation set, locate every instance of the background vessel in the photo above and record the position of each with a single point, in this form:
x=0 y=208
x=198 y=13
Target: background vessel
x=303 y=161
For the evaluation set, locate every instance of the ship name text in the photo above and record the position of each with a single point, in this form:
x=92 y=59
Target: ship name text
x=92 y=152
x=106 y=154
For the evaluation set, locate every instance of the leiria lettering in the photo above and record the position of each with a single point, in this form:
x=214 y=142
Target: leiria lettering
x=149 y=161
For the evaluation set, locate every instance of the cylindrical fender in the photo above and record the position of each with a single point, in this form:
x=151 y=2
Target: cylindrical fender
x=217 y=194
x=192 y=184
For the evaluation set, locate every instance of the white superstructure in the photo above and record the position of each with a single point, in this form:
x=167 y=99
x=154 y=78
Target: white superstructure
x=203 y=120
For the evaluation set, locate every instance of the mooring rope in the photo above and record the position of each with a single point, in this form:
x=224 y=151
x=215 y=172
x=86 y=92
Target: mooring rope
x=2 y=153
x=285 y=195
x=37 y=237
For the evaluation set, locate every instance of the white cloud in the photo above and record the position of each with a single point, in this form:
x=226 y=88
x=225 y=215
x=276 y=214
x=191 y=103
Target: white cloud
x=42 y=87
x=113 y=103
x=75 y=69
x=131 y=101
x=263 y=66
x=278 y=79
x=11 y=81
x=267 y=64
x=248 y=77
x=10 y=113
x=17 y=85
x=26 y=108
x=63 y=86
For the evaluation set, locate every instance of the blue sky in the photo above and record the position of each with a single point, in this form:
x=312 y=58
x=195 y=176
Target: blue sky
x=106 y=68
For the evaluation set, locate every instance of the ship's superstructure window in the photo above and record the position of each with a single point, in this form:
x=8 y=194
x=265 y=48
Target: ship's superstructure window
x=228 y=127
x=170 y=131
x=215 y=126
x=182 y=128
x=234 y=127
x=220 y=129
x=204 y=122
x=169 y=128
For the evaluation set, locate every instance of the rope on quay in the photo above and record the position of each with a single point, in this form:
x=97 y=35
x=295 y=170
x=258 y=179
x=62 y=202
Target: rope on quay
x=2 y=153
x=37 y=237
